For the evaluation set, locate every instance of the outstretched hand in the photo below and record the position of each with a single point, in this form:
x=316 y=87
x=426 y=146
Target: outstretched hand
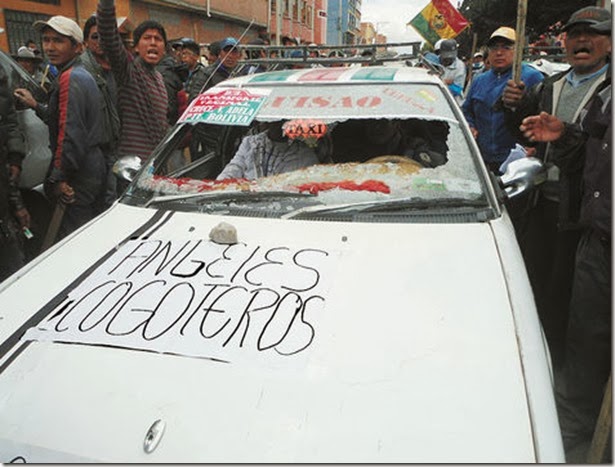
x=542 y=127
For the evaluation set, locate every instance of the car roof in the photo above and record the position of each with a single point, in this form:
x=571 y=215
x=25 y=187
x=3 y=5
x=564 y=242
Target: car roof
x=337 y=75
x=338 y=92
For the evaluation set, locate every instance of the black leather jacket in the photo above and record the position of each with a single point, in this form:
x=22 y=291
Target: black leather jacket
x=568 y=188
x=11 y=150
x=586 y=148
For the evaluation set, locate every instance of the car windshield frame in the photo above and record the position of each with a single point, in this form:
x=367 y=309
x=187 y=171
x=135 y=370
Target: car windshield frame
x=147 y=189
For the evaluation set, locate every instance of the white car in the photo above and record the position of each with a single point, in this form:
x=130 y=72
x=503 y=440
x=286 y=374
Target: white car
x=369 y=308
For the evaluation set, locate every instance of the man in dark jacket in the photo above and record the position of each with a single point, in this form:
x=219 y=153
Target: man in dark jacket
x=174 y=73
x=223 y=67
x=78 y=172
x=586 y=149
x=12 y=207
x=191 y=58
x=205 y=137
x=548 y=235
x=95 y=61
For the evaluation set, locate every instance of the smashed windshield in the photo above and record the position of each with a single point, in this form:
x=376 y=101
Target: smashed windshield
x=290 y=151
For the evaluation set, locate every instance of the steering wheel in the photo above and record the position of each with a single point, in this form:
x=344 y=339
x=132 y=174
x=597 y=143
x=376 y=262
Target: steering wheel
x=409 y=165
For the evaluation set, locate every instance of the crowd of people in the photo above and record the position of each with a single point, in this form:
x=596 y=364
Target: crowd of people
x=105 y=101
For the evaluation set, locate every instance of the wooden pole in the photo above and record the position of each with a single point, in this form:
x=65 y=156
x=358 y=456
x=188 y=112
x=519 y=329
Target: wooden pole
x=471 y=75
x=521 y=17
x=603 y=427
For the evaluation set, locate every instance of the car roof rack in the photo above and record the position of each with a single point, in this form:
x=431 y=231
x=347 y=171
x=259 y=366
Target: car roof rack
x=380 y=53
x=552 y=53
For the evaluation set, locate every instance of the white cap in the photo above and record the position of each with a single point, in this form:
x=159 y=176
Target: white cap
x=61 y=25
x=25 y=53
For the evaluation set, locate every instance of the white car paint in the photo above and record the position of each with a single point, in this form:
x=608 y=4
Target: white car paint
x=415 y=341
x=412 y=361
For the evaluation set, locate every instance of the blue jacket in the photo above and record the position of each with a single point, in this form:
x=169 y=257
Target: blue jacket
x=75 y=135
x=494 y=139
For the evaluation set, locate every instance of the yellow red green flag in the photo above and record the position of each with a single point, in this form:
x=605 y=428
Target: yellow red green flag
x=439 y=20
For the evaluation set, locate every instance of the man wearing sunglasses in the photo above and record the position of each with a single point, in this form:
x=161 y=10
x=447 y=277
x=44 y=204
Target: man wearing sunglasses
x=487 y=124
x=94 y=59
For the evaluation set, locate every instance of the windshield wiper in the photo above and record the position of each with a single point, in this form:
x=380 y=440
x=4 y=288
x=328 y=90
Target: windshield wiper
x=389 y=205
x=228 y=196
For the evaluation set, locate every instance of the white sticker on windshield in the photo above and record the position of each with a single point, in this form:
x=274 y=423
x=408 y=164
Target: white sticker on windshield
x=197 y=298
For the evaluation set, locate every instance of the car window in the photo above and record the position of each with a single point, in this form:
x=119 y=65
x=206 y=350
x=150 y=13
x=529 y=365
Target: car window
x=19 y=78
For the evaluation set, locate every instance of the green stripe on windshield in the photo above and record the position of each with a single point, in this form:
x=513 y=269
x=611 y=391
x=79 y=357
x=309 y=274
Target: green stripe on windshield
x=274 y=76
x=371 y=74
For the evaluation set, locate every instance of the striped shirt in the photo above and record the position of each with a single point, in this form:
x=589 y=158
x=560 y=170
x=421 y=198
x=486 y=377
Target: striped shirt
x=142 y=95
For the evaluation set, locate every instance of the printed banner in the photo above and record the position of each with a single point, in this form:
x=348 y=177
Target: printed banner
x=226 y=107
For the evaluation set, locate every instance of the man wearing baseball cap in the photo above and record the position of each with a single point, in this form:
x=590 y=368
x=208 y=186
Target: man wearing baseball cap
x=228 y=57
x=585 y=147
x=550 y=236
x=77 y=173
x=478 y=63
x=494 y=139
x=204 y=78
x=31 y=62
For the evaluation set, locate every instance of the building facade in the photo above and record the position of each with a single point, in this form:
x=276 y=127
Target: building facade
x=343 y=22
x=203 y=20
x=303 y=20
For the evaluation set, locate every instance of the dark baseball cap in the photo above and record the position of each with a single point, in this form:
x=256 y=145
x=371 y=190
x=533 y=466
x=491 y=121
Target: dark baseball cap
x=448 y=48
x=591 y=15
x=602 y=28
x=229 y=42
x=191 y=45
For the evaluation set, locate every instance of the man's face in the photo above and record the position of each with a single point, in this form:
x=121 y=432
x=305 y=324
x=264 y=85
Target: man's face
x=28 y=65
x=211 y=58
x=32 y=47
x=447 y=61
x=230 y=56
x=151 y=46
x=586 y=50
x=58 y=48
x=189 y=58
x=177 y=52
x=92 y=42
x=501 y=55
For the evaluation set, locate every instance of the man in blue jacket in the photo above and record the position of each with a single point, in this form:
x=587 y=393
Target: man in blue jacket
x=494 y=139
x=77 y=173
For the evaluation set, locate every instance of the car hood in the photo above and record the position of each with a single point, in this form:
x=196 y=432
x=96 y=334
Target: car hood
x=305 y=342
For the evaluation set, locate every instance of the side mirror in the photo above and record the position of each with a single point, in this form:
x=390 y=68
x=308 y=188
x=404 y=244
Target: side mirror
x=127 y=167
x=522 y=175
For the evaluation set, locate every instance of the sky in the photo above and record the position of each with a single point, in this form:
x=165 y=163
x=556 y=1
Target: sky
x=390 y=17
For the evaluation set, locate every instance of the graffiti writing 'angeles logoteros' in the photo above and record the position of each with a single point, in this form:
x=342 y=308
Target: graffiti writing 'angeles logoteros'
x=198 y=298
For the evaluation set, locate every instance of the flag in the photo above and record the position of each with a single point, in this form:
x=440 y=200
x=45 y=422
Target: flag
x=439 y=20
